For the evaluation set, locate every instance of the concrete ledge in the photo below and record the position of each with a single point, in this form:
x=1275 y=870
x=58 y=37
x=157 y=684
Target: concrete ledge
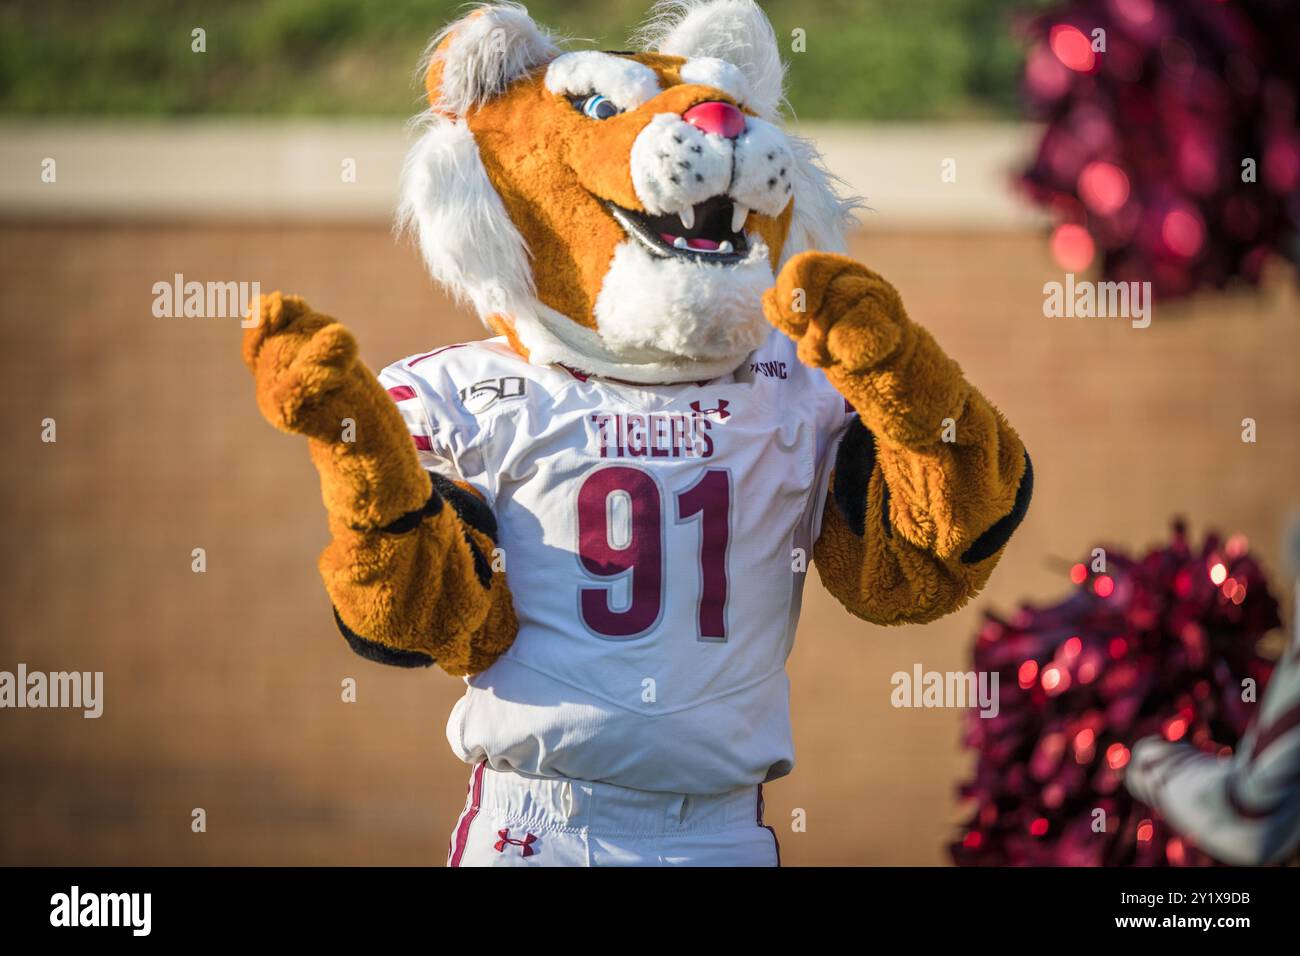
x=290 y=169
x=898 y=169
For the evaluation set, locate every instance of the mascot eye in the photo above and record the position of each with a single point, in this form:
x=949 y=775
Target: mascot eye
x=597 y=107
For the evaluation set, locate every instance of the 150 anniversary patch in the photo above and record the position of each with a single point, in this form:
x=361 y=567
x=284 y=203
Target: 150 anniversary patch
x=481 y=396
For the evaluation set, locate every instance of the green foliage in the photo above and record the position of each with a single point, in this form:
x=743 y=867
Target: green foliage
x=865 y=59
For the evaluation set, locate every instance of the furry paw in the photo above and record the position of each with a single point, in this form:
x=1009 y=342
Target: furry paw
x=300 y=361
x=838 y=311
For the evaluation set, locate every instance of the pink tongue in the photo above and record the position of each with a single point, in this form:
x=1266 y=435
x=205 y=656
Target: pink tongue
x=690 y=243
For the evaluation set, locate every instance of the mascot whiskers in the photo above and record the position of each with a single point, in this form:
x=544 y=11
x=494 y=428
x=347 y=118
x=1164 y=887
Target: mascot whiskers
x=594 y=517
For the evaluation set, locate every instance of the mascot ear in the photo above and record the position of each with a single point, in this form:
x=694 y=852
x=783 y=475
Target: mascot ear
x=733 y=30
x=477 y=57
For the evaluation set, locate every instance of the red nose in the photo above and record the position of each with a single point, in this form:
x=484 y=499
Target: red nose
x=717 y=117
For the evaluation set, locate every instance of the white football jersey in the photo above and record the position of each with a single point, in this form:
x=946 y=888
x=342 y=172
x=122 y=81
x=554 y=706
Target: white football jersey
x=655 y=539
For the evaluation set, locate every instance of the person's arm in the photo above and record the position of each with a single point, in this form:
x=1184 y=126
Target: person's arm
x=1243 y=809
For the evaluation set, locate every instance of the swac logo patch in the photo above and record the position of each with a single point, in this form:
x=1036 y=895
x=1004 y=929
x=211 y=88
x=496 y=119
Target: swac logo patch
x=481 y=396
x=770 y=369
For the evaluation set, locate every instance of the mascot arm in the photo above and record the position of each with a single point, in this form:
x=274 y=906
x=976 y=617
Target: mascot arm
x=407 y=564
x=930 y=480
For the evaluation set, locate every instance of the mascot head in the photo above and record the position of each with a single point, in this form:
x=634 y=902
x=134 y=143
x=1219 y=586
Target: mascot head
x=618 y=212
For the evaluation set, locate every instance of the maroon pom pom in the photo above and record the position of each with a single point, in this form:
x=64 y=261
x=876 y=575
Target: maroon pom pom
x=1172 y=145
x=1154 y=645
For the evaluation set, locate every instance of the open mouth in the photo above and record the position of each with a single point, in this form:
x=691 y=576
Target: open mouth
x=713 y=231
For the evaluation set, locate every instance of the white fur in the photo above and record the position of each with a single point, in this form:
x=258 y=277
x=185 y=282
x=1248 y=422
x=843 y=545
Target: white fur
x=660 y=320
x=733 y=30
x=655 y=309
x=486 y=53
x=669 y=149
x=719 y=74
x=465 y=234
x=821 y=213
x=626 y=83
x=675 y=165
x=764 y=174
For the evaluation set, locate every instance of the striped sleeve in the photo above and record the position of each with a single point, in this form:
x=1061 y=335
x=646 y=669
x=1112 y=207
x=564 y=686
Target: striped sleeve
x=446 y=435
x=404 y=392
x=1244 y=809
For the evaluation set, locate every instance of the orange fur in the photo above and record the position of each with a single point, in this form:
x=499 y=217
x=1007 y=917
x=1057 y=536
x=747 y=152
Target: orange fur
x=414 y=592
x=943 y=495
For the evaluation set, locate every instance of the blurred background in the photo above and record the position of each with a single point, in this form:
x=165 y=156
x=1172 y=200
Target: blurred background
x=885 y=59
x=996 y=154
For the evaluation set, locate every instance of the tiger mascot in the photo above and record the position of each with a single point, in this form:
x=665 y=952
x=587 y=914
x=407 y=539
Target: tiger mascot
x=597 y=518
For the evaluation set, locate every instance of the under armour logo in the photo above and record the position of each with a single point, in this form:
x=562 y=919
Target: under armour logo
x=526 y=843
x=720 y=411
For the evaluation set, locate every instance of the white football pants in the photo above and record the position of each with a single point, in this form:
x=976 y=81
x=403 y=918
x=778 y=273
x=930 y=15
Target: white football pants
x=513 y=820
